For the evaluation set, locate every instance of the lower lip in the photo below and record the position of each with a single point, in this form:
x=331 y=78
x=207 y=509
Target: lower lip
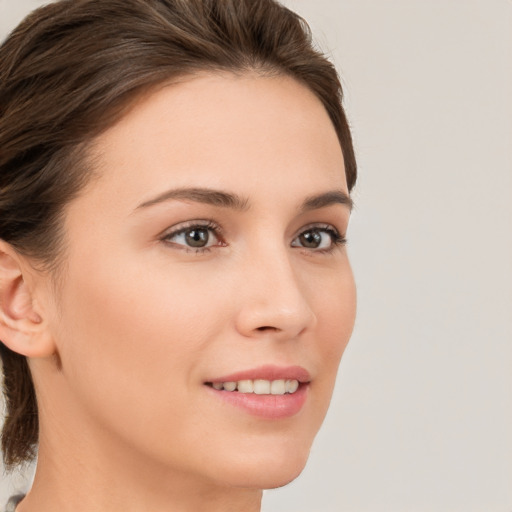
x=271 y=407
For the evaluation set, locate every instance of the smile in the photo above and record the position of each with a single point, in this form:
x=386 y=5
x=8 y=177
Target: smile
x=268 y=392
x=259 y=386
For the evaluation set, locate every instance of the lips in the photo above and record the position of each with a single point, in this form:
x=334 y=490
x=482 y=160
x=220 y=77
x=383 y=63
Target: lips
x=269 y=392
x=268 y=372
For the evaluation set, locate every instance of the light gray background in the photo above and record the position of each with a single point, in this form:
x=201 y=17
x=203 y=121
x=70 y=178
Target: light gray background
x=421 y=420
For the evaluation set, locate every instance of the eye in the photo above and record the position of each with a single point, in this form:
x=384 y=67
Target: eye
x=319 y=238
x=196 y=237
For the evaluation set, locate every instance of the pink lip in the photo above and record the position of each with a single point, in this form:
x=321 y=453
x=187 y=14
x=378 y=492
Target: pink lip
x=268 y=372
x=272 y=407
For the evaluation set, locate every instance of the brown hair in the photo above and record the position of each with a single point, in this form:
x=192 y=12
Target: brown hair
x=71 y=69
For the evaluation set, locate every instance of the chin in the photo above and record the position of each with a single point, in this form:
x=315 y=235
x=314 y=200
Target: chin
x=282 y=478
x=269 y=472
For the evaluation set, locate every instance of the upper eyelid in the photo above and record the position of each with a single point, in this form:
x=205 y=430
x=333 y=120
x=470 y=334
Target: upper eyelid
x=210 y=224
x=180 y=228
x=321 y=226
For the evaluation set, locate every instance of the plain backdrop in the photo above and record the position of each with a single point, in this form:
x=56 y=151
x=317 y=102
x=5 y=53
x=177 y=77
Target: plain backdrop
x=421 y=420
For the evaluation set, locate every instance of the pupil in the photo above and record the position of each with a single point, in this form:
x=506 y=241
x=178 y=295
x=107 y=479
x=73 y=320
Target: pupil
x=311 y=239
x=197 y=237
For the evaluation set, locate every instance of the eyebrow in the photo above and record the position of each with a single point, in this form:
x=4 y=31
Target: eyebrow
x=233 y=201
x=201 y=195
x=324 y=199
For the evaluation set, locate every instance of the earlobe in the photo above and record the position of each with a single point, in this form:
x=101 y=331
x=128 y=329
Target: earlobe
x=22 y=327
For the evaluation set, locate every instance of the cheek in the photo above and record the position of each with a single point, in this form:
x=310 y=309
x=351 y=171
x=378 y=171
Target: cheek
x=336 y=311
x=131 y=345
x=127 y=334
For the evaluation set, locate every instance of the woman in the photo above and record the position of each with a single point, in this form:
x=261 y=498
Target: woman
x=174 y=286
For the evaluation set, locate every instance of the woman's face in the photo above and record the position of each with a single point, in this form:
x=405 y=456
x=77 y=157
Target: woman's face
x=208 y=251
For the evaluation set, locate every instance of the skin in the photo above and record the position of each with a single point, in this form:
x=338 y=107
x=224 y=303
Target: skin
x=120 y=355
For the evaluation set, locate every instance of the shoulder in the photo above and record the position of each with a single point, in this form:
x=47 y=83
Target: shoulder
x=13 y=501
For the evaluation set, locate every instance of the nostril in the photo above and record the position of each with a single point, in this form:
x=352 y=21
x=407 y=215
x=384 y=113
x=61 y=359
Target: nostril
x=267 y=328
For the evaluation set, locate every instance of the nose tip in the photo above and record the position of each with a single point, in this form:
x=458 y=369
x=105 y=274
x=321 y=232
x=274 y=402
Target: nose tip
x=275 y=304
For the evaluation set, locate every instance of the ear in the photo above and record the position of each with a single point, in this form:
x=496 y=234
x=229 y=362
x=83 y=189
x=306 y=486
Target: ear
x=22 y=325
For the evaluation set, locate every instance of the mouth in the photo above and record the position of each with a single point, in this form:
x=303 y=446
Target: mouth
x=267 y=392
x=258 y=386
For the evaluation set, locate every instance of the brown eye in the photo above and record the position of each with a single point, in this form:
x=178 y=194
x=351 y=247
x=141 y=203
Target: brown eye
x=311 y=239
x=197 y=237
x=319 y=239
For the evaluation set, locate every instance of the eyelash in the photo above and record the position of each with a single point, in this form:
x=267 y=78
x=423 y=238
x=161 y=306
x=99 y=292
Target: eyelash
x=337 y=240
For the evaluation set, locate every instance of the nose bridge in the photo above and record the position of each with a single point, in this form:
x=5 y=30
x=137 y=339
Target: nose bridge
x=274 y=300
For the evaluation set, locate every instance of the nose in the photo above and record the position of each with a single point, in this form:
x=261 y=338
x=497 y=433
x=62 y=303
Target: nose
x=274 y=300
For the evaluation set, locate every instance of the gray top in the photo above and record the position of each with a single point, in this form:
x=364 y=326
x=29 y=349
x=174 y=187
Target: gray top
x=13 y=501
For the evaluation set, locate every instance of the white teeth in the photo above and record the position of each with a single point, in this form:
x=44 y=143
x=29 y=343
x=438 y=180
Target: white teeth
x=291 y=386
x=245 y=386
x=230 y=386
x=259 y=386
x=277 y=387
x=262 y=387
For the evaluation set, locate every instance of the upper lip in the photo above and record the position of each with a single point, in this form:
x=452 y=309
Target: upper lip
x=267 y=372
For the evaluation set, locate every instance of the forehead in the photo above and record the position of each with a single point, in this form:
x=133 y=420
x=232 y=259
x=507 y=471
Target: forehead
x=222 y=130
